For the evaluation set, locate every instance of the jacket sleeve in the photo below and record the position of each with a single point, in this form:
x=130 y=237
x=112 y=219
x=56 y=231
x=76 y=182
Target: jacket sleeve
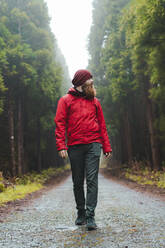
x=104 y=135
x=60 y=121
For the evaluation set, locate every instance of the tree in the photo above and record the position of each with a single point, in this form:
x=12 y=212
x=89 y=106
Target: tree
x=33 y=78
x=145 y=29
x=126 y=45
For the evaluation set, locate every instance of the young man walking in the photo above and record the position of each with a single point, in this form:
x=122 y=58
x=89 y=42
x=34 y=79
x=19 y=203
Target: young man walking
x=79 y=114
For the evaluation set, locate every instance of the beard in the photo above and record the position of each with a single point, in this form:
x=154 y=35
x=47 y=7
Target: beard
x=89 y=91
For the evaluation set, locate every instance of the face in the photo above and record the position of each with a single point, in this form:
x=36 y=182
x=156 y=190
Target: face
x=89 y=89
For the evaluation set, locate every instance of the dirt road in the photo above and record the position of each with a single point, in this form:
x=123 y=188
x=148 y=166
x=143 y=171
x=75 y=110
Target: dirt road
x=125 y=219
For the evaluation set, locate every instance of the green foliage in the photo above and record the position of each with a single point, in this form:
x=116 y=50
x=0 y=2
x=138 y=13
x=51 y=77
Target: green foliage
x=127 y=47
x=18 y=192
x=145 y=176
x=27 y=184
x=145 y=29
x=2 y=186
x=2 y=89
x=40 y=178
x=31 y=77
x=2 y=62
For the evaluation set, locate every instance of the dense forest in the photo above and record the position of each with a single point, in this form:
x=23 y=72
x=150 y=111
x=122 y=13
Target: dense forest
x=31 y=79
x=127 y=48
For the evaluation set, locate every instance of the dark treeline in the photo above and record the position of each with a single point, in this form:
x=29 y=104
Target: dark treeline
x=31 y=76
x=127 y=48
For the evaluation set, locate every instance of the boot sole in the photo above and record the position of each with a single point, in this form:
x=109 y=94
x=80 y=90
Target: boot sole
x=80 y=223
x=90 y=228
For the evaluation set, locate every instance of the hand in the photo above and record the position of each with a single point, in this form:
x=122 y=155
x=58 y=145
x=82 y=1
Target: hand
x=63 y=154
x=108 y=154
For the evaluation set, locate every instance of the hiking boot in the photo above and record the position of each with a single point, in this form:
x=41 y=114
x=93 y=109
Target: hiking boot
x=81 y=218
x=91 y=225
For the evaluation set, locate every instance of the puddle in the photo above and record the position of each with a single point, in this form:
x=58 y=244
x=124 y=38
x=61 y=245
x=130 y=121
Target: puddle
x=66 y=228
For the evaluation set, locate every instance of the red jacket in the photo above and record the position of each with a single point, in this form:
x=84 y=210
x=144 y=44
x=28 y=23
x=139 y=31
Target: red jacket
x=82 y=119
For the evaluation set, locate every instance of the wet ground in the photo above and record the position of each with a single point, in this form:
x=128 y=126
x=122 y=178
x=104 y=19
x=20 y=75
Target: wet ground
x=125 y=219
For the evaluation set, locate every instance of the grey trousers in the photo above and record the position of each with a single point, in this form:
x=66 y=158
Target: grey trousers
x=84 y=159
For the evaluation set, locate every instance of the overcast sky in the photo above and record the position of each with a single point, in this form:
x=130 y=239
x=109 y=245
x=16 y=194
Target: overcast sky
x=70 y=22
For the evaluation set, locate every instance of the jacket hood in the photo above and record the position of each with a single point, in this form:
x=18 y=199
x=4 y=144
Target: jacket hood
x=75 y=92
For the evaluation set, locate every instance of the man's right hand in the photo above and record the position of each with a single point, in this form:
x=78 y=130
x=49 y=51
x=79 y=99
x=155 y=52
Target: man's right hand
x=63 y=154
x=108 y=154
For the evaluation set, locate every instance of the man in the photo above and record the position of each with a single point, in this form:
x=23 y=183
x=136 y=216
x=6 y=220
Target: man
x=80 y=114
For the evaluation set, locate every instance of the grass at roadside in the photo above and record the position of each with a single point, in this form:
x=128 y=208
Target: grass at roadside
x=18 y=192
x=26 y=184
x=146 y=176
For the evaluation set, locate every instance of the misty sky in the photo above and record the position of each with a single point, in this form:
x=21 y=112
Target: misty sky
x=71 y=21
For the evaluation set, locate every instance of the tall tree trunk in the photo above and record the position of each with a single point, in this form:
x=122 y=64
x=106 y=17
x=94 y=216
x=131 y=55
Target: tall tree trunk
x=128 y=139
x=11 y=134
x=152 y=131
x=20 y=139
x=38 y=143
x=124 y=157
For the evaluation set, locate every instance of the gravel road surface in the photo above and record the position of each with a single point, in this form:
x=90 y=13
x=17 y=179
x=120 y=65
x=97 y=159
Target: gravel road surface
x=125 y=219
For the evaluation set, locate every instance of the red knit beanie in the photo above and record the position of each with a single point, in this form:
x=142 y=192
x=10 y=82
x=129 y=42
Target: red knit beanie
x=80 y=77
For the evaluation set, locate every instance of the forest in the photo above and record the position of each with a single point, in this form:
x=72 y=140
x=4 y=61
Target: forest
x=127 y=47
x=32 y=74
